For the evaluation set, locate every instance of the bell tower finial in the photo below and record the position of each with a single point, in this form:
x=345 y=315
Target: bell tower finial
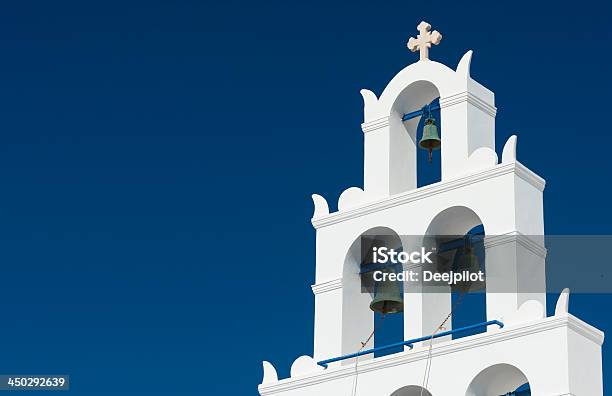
x=424 y=40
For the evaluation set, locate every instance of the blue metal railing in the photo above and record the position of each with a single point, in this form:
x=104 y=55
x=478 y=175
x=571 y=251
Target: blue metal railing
x=409 y=343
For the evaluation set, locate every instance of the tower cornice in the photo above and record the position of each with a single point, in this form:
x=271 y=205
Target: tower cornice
x=426 y=191
x=534 y=329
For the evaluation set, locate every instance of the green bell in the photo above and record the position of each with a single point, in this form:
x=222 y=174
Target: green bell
x=430 y=139
x=387 y=296
x=468 y=261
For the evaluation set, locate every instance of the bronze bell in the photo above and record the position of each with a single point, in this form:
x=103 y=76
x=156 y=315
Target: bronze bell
x=388 y=297
x=468 y=261
x=430 y=139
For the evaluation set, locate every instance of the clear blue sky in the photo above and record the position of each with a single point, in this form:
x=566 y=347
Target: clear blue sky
x=149 y=149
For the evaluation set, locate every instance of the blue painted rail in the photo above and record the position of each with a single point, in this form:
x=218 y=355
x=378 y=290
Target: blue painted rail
x=409 y=343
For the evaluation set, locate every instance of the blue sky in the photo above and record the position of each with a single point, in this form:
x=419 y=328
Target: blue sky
x=150 y=148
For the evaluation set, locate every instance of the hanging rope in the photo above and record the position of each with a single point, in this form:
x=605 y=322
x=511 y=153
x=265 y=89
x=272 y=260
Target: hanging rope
x=440 y=327
x=363 y=345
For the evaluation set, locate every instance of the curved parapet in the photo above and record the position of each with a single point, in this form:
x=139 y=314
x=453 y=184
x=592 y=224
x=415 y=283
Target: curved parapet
x=304 y=365
x=369 y=101
x=351 y=198
x=320 y=206
x=509 y=152
x=269 y=373
x=562 y=307
x=481 y=158
x=463 y=68
x=528 y=311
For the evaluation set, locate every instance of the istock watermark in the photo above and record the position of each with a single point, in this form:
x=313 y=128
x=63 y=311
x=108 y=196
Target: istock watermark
x=397 y=258
x=383 y=255
x=505 y=263
x=451 y=278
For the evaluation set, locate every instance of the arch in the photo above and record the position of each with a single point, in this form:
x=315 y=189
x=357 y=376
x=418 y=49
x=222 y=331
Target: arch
x=353 y=257
x=414 y=96
x=456 y=220
x=495 y=380
x=404 y=135
x=451 y=224
x=445 y=80
x=448 y=228
x=357 y=317
x=411 y=390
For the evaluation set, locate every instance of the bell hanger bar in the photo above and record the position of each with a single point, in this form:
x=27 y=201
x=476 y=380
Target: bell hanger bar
x=427 y=109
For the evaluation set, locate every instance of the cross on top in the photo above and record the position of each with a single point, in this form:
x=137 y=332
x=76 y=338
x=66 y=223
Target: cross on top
x=424 y=40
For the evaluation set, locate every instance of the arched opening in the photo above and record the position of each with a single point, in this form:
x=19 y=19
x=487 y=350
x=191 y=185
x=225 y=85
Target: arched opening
x=411 y=390
x=470 y=306
x=458 y=236
x=409 y=165
x=499 y=380
x=363 y=324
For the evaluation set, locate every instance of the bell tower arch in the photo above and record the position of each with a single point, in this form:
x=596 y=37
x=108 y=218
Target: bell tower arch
x=391 y=151
x=391 y=144
x=357 y=316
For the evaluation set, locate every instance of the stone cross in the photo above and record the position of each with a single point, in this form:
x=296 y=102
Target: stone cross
x=424 y=40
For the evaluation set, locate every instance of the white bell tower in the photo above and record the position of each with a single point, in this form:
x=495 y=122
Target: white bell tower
x=556 y=355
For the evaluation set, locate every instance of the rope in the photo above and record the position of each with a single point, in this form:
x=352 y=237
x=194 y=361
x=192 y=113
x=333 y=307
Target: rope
x=440 y=327
x=429 y=353
x=363 y=345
